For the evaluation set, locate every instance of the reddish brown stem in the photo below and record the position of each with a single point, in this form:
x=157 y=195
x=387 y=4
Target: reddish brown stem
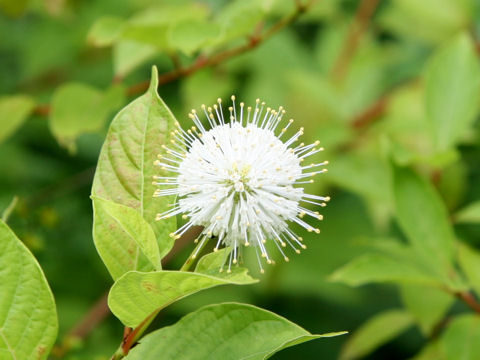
x=470 y=300
x=360 y=23
x=202 y=61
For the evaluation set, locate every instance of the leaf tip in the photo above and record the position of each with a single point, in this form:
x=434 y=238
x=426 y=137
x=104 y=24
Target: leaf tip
x=154 y=80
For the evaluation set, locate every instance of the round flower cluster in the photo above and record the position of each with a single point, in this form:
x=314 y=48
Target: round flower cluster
x=239 y=180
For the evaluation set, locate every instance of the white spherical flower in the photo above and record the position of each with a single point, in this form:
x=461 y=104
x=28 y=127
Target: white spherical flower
x=239 y=180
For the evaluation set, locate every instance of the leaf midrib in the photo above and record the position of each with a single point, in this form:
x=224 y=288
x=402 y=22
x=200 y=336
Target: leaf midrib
x=4 y=338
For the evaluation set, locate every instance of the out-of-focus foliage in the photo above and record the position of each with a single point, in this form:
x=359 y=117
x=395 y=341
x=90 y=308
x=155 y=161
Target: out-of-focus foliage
x=404 y=216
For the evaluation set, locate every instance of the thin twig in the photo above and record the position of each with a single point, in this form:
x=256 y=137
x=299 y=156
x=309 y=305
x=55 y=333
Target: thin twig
x=360 y=23
x=100 y=311
x=203 y=61
x=470 y=300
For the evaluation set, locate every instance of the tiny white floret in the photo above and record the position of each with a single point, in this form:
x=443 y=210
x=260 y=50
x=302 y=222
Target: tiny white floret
x=239 y=180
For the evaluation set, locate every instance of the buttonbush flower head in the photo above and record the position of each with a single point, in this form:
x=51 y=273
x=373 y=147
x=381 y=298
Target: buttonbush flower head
x=240 y=179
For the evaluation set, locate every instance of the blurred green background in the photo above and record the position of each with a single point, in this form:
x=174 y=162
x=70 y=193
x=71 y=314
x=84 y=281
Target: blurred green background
x=356 y=74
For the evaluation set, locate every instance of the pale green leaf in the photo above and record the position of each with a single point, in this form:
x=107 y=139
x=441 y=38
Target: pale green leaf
x=212 y=261
x=469 y=260
x=461 y=340
x=79 y=108
x=424 y=219
x=124 y=240
x=469 y=214
x=28 y=317
x=136 y=295
x=14 y=110
x=427 y=305
x=239 y=18
x=376 y=332
x=452 y=88
x=126 y=167
x=190 y=35
x=128 y=55
x=105 y=31
x=223 y=331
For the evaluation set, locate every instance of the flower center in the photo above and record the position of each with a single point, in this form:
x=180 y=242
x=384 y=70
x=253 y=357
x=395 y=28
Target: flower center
x=238 y=177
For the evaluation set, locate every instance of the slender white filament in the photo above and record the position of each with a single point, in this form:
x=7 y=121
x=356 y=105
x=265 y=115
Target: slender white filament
x=239 y=180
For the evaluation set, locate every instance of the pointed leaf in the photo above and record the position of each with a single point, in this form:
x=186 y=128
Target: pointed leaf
x=213 y=261
x=469 y=214
x=424 y=219
x=136 y=295
x=28 y=317
x=223 y=331
x=381 y=268
x=126 y=164
x=452 y=87
x=376 y=332
x=124 y=240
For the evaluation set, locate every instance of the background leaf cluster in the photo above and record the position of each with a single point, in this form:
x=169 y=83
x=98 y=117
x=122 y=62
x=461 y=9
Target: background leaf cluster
x=398 y=118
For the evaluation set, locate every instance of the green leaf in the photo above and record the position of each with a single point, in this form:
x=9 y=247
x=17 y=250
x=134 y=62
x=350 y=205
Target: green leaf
x=126 y=167
x=428 y=305
x=28 y=317
x=452 y=87
x=14 y=110
x=128 y=55
x=462 y=338
x=124 y=240
x=190 y=35
x=239 y=18
x=380 y=268
x=376 y=332
x=79 y=108
x=213 y=261
x=105 y=31
x=223 y=331
x=136 y=295
x=469 y=260
x=469 y=214
x=424 y=219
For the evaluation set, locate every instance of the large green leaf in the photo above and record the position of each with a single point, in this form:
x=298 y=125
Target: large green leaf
x=79 y=108
x=136 y=295
x=376 y=332
x=382 y=268
x=28 y=318
x=14 y=110
x=469 y=260
x=190 y=35
x=461 y=341
x=427 y=304
x=223 y=331
x=124 y=240
x=126 y=167
x=424 y=219
x=452 y=87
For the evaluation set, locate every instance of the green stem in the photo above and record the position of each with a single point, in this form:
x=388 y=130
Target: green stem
x=191 y=258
